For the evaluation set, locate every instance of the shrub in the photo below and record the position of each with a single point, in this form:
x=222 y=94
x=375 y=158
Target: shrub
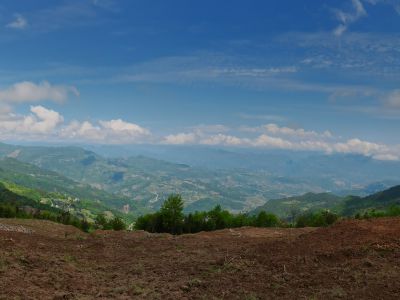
x=317 y=219
x=117 y=223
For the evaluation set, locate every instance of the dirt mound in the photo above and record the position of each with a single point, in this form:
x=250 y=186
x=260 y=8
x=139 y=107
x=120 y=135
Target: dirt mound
x=350 y=260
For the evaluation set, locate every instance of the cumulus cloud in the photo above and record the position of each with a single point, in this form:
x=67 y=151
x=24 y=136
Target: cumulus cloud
x=272 y=136
x=122 y=127
x=43 y=124
x=19 y=22
x=41 y=121
x=223 y=139
x=272 y=142
x=106 y=132
x=30 y=92
x=81 y=131
x=275 y=129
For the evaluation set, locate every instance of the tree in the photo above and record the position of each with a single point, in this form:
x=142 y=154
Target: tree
x=101 y=222
x=117 y=223
x=316 y=219
x=266 y=220
x=85 y=225
x=171 y=214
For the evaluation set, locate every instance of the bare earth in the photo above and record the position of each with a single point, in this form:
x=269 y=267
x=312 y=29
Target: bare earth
x=350 y=260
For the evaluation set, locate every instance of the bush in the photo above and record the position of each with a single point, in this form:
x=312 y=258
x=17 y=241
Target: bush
x=117 y=224
x=266 y=220
x=317 y=219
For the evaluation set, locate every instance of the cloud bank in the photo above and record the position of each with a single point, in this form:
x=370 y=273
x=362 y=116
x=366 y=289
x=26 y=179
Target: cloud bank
x=44 y=124
x=273 y=136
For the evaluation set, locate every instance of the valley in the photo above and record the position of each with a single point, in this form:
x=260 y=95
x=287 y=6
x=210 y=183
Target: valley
x=133 y=185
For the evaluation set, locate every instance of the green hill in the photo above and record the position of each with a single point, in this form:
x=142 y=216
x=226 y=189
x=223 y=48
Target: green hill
x=379 y=201
x=287 y=207
x=34 y=181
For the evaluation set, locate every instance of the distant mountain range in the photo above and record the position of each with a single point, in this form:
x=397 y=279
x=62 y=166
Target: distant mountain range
x=286 y=208
x=237 y=180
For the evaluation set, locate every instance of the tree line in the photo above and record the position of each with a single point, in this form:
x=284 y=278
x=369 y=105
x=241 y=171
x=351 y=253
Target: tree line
x=171 y=219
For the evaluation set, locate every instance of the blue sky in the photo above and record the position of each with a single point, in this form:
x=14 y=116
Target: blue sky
x=288 y=74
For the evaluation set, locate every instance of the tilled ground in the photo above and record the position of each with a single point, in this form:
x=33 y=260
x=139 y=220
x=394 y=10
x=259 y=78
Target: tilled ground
x=350 y=260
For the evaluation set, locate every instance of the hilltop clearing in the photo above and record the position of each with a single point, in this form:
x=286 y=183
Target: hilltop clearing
x=352 y=259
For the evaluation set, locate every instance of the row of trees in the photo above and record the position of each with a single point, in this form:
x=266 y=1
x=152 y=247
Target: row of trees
x=170 y=218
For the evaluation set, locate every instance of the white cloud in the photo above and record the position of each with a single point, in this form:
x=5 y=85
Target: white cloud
x=358 y=11
x=338 y=31
x=274 y=129
x=19 y=22
x=272 y=142
x=271 y=136
x=124 y=128
x=41 y=121
x=82 y=131
x=44 y=124
x=347 y=18
x=30 y=92
x=222 y=139
x=106 y=132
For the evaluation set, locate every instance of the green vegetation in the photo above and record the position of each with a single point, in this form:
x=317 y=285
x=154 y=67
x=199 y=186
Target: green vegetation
x=15 y=206
x=290 y=208
x=116 y=223
x=317 y=219
x=392 y=211
x=143 y=183
x=70 y=184
x=56 y=190
x=380 y=201
x=170 y=219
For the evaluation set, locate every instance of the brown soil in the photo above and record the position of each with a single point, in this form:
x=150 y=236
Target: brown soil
x=350 y=260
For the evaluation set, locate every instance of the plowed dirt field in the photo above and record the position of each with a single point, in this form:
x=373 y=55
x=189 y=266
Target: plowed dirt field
x=350 y=260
